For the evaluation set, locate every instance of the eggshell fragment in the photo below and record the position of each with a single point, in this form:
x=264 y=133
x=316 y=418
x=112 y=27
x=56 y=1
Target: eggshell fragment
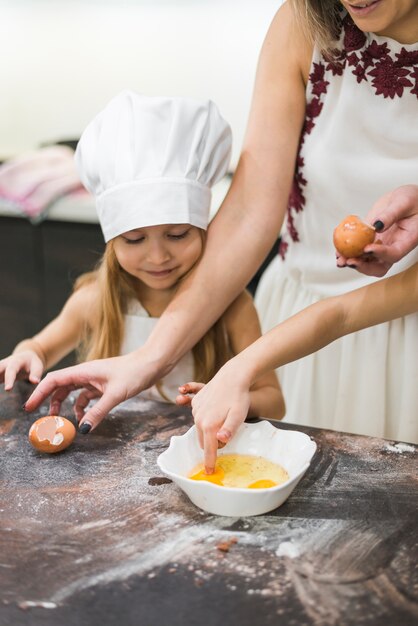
x=352 y=235
x=52 y=434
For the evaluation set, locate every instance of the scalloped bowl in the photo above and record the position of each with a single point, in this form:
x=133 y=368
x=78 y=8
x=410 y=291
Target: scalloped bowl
x=291 y=449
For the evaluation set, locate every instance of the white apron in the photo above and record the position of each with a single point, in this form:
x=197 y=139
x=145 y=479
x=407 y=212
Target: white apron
x=138 y=327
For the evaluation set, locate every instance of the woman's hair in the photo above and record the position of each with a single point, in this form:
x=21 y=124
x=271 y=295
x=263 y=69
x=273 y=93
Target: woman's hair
x=320 y=20
x=116 y=288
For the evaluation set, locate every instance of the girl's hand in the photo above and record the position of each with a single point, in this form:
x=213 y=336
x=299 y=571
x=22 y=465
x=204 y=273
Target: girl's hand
x=395 y=217
x=111 y=380
x=25 y=364
x=218 y=410
x=187 y=391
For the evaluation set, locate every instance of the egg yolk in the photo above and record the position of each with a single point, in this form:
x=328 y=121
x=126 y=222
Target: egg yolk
x=242 y=471
x=216 y=478
x=262 y=484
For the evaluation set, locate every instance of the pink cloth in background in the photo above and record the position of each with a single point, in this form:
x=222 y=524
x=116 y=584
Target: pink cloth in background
x=34 y=180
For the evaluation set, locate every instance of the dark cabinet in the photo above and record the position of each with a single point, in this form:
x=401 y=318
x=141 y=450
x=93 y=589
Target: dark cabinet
x=38 y=266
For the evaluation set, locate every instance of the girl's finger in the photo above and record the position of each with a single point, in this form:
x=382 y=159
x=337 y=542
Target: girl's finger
x=191 y=387
x=183 y=400
x=210 y=449
x=10 y=377
x=230 y=426
x=35 y=373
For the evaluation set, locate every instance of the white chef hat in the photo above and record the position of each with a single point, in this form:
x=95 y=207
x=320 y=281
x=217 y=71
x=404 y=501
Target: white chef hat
x=152 y=160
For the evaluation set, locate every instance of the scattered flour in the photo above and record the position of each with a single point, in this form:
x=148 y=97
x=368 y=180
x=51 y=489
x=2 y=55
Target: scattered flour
x=399 y=448
x=29 y=604
x=287 y=548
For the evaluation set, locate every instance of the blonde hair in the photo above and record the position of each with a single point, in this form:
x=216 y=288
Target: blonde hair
x=320 y=20
x=116 y=288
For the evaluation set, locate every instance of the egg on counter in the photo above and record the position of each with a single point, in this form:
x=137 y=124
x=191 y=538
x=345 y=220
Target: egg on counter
x=52 y=433
x=352 y=235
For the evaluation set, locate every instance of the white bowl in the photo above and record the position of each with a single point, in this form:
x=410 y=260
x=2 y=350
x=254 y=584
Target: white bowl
x=291 y=449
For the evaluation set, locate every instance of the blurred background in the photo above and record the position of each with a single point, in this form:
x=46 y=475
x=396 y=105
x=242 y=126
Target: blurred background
x=61 y=62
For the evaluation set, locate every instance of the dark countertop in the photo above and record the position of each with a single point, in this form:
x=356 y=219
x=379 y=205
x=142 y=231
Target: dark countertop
x=88 y=539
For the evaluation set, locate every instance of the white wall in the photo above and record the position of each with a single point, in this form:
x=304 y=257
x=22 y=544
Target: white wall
x=62 y=60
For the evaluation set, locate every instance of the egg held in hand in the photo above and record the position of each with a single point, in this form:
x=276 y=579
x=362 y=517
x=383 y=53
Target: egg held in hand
x=352 y=235
x=52 y=434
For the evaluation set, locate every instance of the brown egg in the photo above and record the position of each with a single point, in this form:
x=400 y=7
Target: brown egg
x=52 y=433
x=352 y=236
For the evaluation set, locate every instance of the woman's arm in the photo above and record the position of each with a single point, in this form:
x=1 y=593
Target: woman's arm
x=221 y=405
x=252 y=214
x=238 y=240
x=243 y=328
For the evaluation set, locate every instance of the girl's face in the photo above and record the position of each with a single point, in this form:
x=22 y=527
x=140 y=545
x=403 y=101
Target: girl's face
x=159 y=256
x=397 y=19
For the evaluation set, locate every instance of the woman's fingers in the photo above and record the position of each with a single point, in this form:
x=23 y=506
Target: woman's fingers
x=98 y=412
x=57 y=398
x=401 y=203
x=58 y=383
x=83 y=399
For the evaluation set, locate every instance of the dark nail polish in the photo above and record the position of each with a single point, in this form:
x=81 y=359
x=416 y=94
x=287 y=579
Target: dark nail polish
x=23 y=406
x=353 y=267
x=85 y=428
x=379 y=225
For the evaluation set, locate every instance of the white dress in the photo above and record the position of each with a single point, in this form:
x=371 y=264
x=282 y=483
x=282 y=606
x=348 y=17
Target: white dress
x=138 y=327
x=360 y=140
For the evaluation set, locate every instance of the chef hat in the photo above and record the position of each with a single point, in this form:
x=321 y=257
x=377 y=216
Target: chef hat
x=152 y=160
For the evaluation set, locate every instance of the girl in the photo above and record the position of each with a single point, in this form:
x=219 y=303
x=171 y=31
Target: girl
x=150 y=163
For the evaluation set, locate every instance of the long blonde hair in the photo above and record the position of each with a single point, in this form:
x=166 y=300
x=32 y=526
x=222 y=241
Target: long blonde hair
x=104 y=337
x=320 y=20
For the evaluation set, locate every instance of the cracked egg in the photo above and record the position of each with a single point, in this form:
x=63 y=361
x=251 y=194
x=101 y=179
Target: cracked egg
x=52 y=434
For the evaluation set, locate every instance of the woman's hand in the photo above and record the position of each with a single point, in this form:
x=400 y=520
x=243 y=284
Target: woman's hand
x=395 y=217
x=111 y=380
x=25 y=364
x=218 y=410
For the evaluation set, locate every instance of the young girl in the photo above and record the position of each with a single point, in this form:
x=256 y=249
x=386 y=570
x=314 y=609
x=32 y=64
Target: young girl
x=150 y=162
x=221 y=406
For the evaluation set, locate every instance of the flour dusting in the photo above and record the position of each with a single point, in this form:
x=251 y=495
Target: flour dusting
x=289 y=549
x=399 y=448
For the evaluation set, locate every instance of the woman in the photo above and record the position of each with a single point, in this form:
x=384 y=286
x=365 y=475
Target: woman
x=286 y=111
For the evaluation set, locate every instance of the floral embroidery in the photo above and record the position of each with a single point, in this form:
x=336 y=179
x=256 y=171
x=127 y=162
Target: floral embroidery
x=354 y=38
x=389 y=79
x=407 y=57
x=389 y=76
x=415 y=77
